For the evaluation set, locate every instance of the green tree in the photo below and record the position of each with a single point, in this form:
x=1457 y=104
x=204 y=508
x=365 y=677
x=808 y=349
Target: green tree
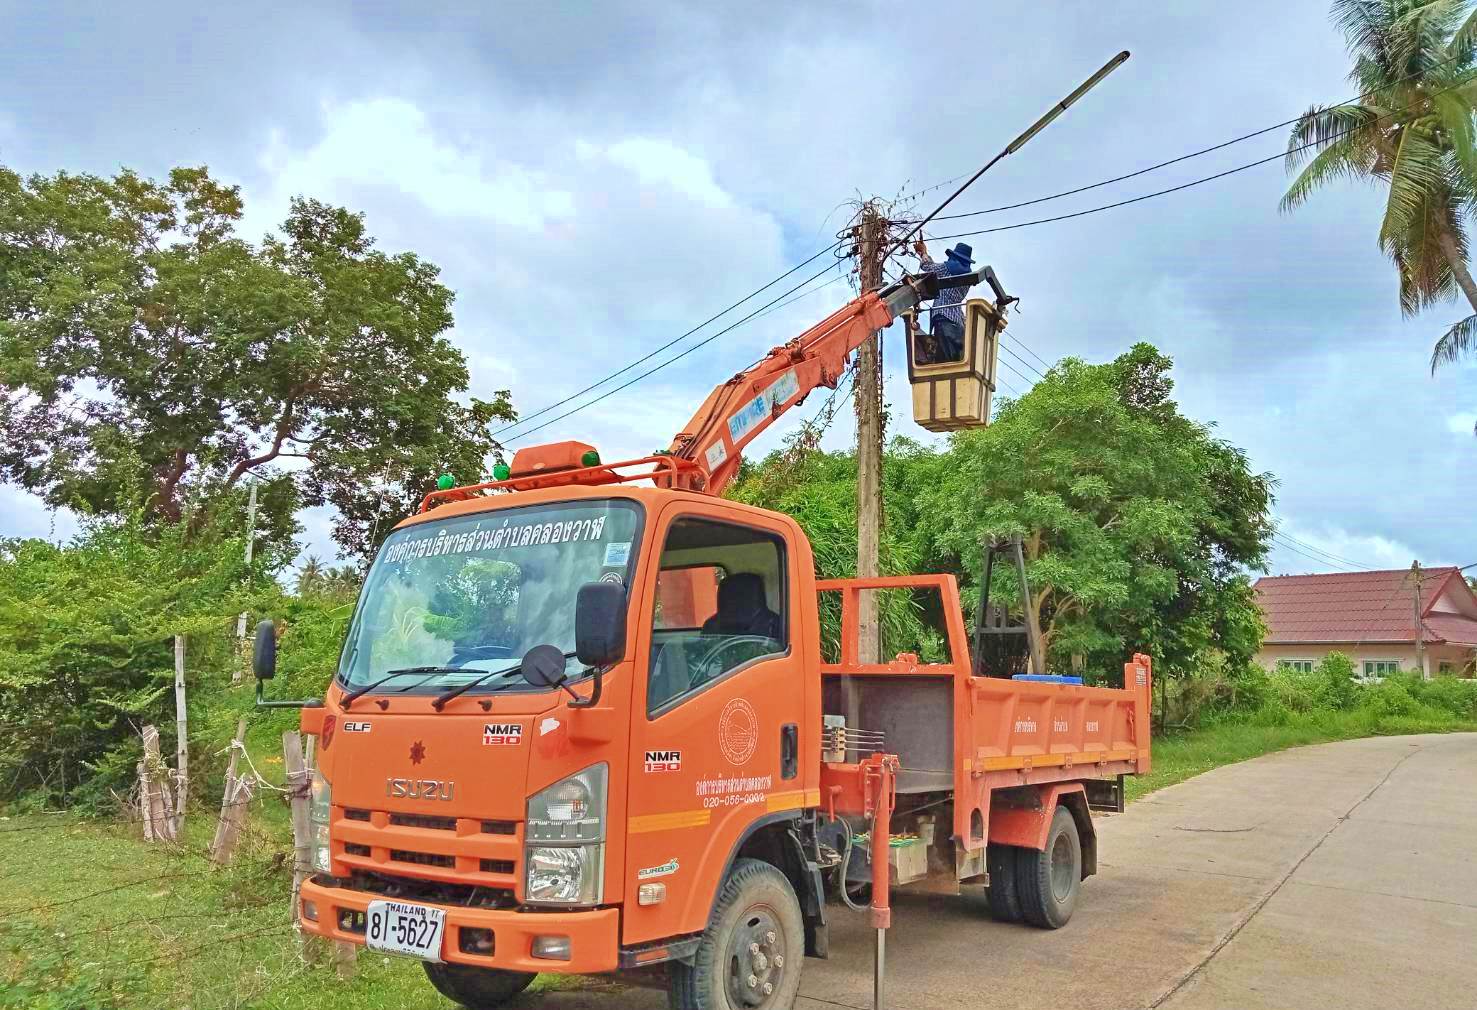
x=136 y=324
x=86 y=654
x=1138 y=524
x=1412 y=132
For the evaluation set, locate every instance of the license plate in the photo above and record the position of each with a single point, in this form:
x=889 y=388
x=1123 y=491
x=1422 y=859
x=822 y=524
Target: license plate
x=398 y=928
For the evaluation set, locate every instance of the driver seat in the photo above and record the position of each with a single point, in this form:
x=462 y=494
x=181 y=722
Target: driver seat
x=743 y=609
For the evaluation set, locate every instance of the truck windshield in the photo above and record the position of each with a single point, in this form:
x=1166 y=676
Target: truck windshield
x=473 y=594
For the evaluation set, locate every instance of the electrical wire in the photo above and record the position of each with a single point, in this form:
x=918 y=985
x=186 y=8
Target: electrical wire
x=913 y=197
x=676 y=340
x=1184 y=157
x=1188 y=185
x=670 y=361
x=1026 y=347
x=1317 y=560
x=1023 y=361
x=1024 y=378
x=1320 y=550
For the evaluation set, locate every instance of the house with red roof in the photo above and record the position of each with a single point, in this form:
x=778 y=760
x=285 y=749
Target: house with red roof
x=1372 y=618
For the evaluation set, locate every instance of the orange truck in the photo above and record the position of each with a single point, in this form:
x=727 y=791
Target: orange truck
x=584 y=722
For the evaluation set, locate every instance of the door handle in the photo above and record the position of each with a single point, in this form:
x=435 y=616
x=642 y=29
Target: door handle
x=789 y=751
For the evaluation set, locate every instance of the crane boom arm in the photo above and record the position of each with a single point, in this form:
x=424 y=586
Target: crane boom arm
x=736 y=412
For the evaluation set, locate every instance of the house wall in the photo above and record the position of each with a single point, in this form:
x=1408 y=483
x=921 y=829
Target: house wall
x=1403 y=652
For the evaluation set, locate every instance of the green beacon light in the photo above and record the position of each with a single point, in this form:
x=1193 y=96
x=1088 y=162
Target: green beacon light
x=445 y=482
x=500 y=471
x=590 y=458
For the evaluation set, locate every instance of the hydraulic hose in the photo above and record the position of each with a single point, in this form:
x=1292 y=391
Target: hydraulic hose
x=845 y=864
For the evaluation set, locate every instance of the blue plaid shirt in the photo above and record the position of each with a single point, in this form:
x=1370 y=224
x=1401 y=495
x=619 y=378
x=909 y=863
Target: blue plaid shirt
x=946 y=305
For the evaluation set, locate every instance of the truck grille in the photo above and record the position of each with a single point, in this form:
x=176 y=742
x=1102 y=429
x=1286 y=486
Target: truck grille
x=404 y=854
x=423 y=858
x=401 y=888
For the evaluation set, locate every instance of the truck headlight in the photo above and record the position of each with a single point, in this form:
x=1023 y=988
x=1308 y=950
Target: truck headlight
x=320 y=811
x=564 y=849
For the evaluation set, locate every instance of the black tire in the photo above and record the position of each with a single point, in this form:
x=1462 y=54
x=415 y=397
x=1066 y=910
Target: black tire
x=1003 y=895
x=477 y=988
x=757 y=907
x=1050 y=881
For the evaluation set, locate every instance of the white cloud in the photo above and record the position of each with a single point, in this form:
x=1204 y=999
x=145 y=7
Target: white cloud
x=1461 y=424
x=658 y=163
x=389 y=142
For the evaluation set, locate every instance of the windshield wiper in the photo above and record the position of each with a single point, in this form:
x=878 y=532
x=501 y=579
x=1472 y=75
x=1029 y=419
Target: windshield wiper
x=442 y=699
x=361 y=691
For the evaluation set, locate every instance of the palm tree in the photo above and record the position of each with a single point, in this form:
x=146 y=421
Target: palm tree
x=1411 y=129
x=309 y=576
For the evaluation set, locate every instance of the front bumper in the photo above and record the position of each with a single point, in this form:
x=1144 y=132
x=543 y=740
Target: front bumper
x=594 y=936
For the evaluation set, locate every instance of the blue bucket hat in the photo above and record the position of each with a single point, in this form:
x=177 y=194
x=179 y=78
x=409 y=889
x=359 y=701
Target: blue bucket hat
x=963 y=254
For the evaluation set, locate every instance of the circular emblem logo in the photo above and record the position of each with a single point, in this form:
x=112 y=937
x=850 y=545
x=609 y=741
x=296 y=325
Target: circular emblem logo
x=738 y=731
x=613 y=577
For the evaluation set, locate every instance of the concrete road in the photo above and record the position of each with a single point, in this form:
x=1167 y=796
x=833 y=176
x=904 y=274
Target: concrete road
x=1343 y=875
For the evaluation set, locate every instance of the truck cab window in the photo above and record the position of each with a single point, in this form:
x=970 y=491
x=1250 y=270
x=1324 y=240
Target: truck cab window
x=720 y=604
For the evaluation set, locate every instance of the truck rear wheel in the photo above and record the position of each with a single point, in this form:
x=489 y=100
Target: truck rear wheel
x=1049 y=881
x=751 y=953
x=1003 y=895
x=477 y=988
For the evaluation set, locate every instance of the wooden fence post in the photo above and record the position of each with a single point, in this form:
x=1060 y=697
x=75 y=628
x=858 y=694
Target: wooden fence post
x=233 y=804
x=154 y=793
x=182 y=737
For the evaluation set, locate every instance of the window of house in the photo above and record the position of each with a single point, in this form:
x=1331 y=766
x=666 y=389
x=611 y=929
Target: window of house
x=1297 y=665
x=1381 y=667
x=720 y=605
x=1445 y=667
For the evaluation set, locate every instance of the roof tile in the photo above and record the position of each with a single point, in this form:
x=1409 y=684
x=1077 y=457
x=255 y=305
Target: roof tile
x=1355 y=607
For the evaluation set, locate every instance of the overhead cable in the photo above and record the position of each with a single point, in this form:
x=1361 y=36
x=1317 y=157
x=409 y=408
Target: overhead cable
x=1175 y=161
x=675 y=340
x=1188 y=185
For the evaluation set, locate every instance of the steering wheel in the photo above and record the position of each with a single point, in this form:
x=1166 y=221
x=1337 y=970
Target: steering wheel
x=700 y=674
x=464 y=653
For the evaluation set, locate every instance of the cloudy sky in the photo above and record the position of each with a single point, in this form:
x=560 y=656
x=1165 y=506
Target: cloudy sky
x=594 y=181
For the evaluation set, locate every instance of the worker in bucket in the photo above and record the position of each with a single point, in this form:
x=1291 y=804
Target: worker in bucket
x=945 y=340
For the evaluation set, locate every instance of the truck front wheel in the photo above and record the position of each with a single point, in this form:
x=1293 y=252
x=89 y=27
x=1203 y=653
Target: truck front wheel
x=1049 y=881
x=477 y=988
x=751 y=952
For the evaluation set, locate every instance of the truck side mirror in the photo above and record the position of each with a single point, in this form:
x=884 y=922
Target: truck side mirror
x=264 y=651
x=600 y=623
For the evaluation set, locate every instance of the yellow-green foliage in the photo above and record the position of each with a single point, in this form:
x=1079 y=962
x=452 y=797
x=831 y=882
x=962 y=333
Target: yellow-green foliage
x=86 y=647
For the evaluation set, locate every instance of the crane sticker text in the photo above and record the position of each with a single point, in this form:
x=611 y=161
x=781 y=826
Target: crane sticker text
x=508 y=535
x=734 y=790
x=751 y=414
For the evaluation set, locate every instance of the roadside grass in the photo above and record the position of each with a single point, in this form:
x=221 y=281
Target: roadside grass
x=92 y=918
x=1183 y=755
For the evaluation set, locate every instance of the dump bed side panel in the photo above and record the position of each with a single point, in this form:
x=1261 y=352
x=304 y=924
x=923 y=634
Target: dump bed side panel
x=1000 y=734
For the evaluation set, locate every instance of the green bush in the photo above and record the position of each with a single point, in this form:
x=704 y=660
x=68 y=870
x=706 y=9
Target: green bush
x=86 y=649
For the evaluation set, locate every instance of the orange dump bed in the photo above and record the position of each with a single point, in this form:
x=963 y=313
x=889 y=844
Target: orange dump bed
x=957 y=733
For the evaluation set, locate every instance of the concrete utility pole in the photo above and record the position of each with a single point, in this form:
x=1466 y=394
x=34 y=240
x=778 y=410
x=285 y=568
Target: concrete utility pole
x=871 y=251
x=236 y=674
x=1420 y=638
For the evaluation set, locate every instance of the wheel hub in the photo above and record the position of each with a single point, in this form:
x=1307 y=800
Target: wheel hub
x=1062 y=870
x=756 y=959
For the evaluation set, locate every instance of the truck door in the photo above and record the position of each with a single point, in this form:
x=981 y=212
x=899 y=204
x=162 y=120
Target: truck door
x=715 y=737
